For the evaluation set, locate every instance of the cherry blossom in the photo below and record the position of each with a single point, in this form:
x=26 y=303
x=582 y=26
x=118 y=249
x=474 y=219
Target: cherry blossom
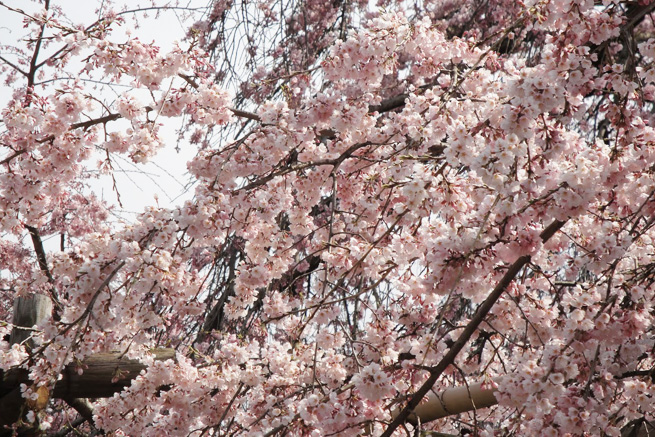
x=389 y=200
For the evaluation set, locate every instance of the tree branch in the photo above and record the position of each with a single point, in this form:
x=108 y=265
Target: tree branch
x=31 y=74
x=471 y=327
x=15 y=67
x=82 y=406
x=40 y=252
x=43 y=265
x=87 y=124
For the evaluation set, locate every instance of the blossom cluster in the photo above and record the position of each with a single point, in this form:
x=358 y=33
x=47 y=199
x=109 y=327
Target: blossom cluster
x=340 y=244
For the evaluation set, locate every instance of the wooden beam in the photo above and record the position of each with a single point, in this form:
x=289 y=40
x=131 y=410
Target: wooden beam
x=463 y=399
x=102 y=375
x=28 y=311
x=451 y=401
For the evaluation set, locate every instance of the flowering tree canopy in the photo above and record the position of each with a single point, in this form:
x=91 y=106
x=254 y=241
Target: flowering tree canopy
x=390 y=199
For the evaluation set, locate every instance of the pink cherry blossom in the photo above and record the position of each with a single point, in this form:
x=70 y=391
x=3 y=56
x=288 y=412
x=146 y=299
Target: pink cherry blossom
x=388 y=201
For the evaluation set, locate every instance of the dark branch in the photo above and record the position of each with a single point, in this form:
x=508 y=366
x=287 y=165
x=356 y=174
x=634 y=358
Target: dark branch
x=389 y=104
x=40 y=252
x=471 y=327
x=33 y=67
x=87 y=124
x=82 y=406
x=15 y=67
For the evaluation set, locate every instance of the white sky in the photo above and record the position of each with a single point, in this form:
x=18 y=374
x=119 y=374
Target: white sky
x=138 y=186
